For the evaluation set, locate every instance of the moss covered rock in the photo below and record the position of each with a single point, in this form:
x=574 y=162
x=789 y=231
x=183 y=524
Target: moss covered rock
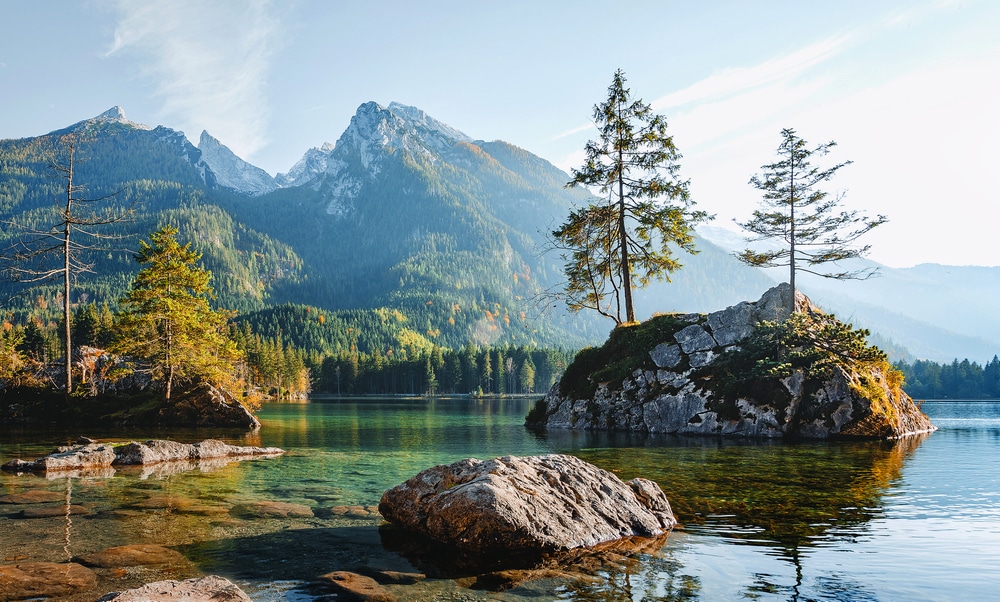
x=755 y=369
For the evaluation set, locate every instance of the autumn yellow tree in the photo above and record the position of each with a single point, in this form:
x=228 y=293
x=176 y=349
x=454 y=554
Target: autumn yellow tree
x=167 y=327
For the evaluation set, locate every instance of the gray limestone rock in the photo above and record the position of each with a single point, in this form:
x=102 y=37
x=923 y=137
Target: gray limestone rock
x=694 y=338
x=154 y=451
x=732 y=324
x=552 y=502
x=699 y=359
x=666 y=355
x=213 y=587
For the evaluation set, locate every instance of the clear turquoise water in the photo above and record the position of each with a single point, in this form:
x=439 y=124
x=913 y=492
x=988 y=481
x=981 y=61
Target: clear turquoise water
x=919 y=520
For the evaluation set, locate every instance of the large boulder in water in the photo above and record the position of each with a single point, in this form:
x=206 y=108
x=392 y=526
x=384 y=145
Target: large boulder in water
x=550 y=503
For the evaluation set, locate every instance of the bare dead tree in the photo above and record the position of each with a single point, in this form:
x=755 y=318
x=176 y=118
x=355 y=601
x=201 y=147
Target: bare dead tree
x=57 y=252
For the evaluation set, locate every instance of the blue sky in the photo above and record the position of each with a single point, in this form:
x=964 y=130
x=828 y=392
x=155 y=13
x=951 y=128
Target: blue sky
x=907 y=89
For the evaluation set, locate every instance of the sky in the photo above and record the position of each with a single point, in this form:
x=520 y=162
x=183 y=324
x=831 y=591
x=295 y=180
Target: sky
x=908 y=90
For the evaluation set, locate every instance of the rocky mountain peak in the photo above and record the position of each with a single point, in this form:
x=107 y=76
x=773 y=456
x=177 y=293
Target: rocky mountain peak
x=224 y=169
x=376 y=130
x=115 y=114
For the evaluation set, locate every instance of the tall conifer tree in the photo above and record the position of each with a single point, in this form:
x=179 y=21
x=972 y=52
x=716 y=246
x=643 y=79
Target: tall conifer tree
x=620 y=244
x=803 y=218
x=166 y=320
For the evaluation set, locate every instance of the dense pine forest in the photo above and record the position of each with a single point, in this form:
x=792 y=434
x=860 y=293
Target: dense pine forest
x=957 y=380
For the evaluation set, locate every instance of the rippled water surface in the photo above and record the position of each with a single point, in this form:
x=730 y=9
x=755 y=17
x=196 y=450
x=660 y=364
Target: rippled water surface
x=915 y=520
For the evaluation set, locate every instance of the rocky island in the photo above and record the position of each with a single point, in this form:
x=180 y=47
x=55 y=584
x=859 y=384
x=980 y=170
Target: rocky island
x=755 y=369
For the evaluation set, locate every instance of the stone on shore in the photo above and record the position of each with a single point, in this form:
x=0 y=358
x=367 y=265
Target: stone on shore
x=104 y=455
x=213 y=588
x=544 y=503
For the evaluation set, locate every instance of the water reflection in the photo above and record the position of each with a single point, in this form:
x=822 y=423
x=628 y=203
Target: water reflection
x=760 y=519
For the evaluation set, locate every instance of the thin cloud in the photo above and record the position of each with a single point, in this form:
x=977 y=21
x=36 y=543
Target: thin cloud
x=730 y=82
x=208 y=62
x=567 y=133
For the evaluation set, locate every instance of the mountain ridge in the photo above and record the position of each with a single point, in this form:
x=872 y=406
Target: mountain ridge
x=406 y=212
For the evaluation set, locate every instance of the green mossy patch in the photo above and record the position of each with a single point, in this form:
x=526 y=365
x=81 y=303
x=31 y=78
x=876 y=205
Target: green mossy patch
x=625 y=351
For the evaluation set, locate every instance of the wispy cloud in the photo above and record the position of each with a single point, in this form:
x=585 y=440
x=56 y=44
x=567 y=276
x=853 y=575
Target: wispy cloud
x=576 y=130
x=207 y=60
x=733 y=81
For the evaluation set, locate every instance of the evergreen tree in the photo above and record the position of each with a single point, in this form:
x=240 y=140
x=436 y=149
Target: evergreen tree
x=430 y=378
x=802 y=217
x=620 y=244
x=527 y=376
x=167 y=322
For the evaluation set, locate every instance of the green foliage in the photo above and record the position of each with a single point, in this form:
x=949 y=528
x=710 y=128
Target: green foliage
x=814 y=343
x=626 y=350
x=956 y=380
x=166 y=322
x=614 y=246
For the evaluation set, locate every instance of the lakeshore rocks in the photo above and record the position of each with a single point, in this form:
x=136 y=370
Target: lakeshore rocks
x=541 y=503
x=355 y=587
x=271 y=509
x=105 y=455
x=675 y=392
x=132 y=555
x=32 y=580
x=213 y=587
x=205 y=405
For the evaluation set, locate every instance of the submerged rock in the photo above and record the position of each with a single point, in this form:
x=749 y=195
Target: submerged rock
x=50 y=511
x=35 y=496
x=355 y=587
x=104 y=455
x=33 y=580
x=271 y=509
x=551 y=503
x=132 y=555
x=679 y=385
x=214 y=588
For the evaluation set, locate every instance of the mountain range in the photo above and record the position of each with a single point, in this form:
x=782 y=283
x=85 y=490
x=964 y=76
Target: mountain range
x=410 y=233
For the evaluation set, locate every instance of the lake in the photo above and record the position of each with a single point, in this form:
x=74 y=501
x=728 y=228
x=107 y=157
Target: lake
x=915 y=520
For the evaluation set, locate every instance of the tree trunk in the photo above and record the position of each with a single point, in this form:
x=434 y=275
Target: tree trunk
x=791 y=240
x=66 y=273
x=623 y=234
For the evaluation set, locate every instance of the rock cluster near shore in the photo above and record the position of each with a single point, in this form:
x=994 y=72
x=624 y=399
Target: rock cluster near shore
x=549 y=503
x=212 y=588
x=675 y=391
x=106 y=456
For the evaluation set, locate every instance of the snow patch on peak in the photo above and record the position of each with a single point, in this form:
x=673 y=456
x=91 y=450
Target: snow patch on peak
x=312 y=164
x=230 y=171
x=420 y=118
x=115 y=114
x=376 y=132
